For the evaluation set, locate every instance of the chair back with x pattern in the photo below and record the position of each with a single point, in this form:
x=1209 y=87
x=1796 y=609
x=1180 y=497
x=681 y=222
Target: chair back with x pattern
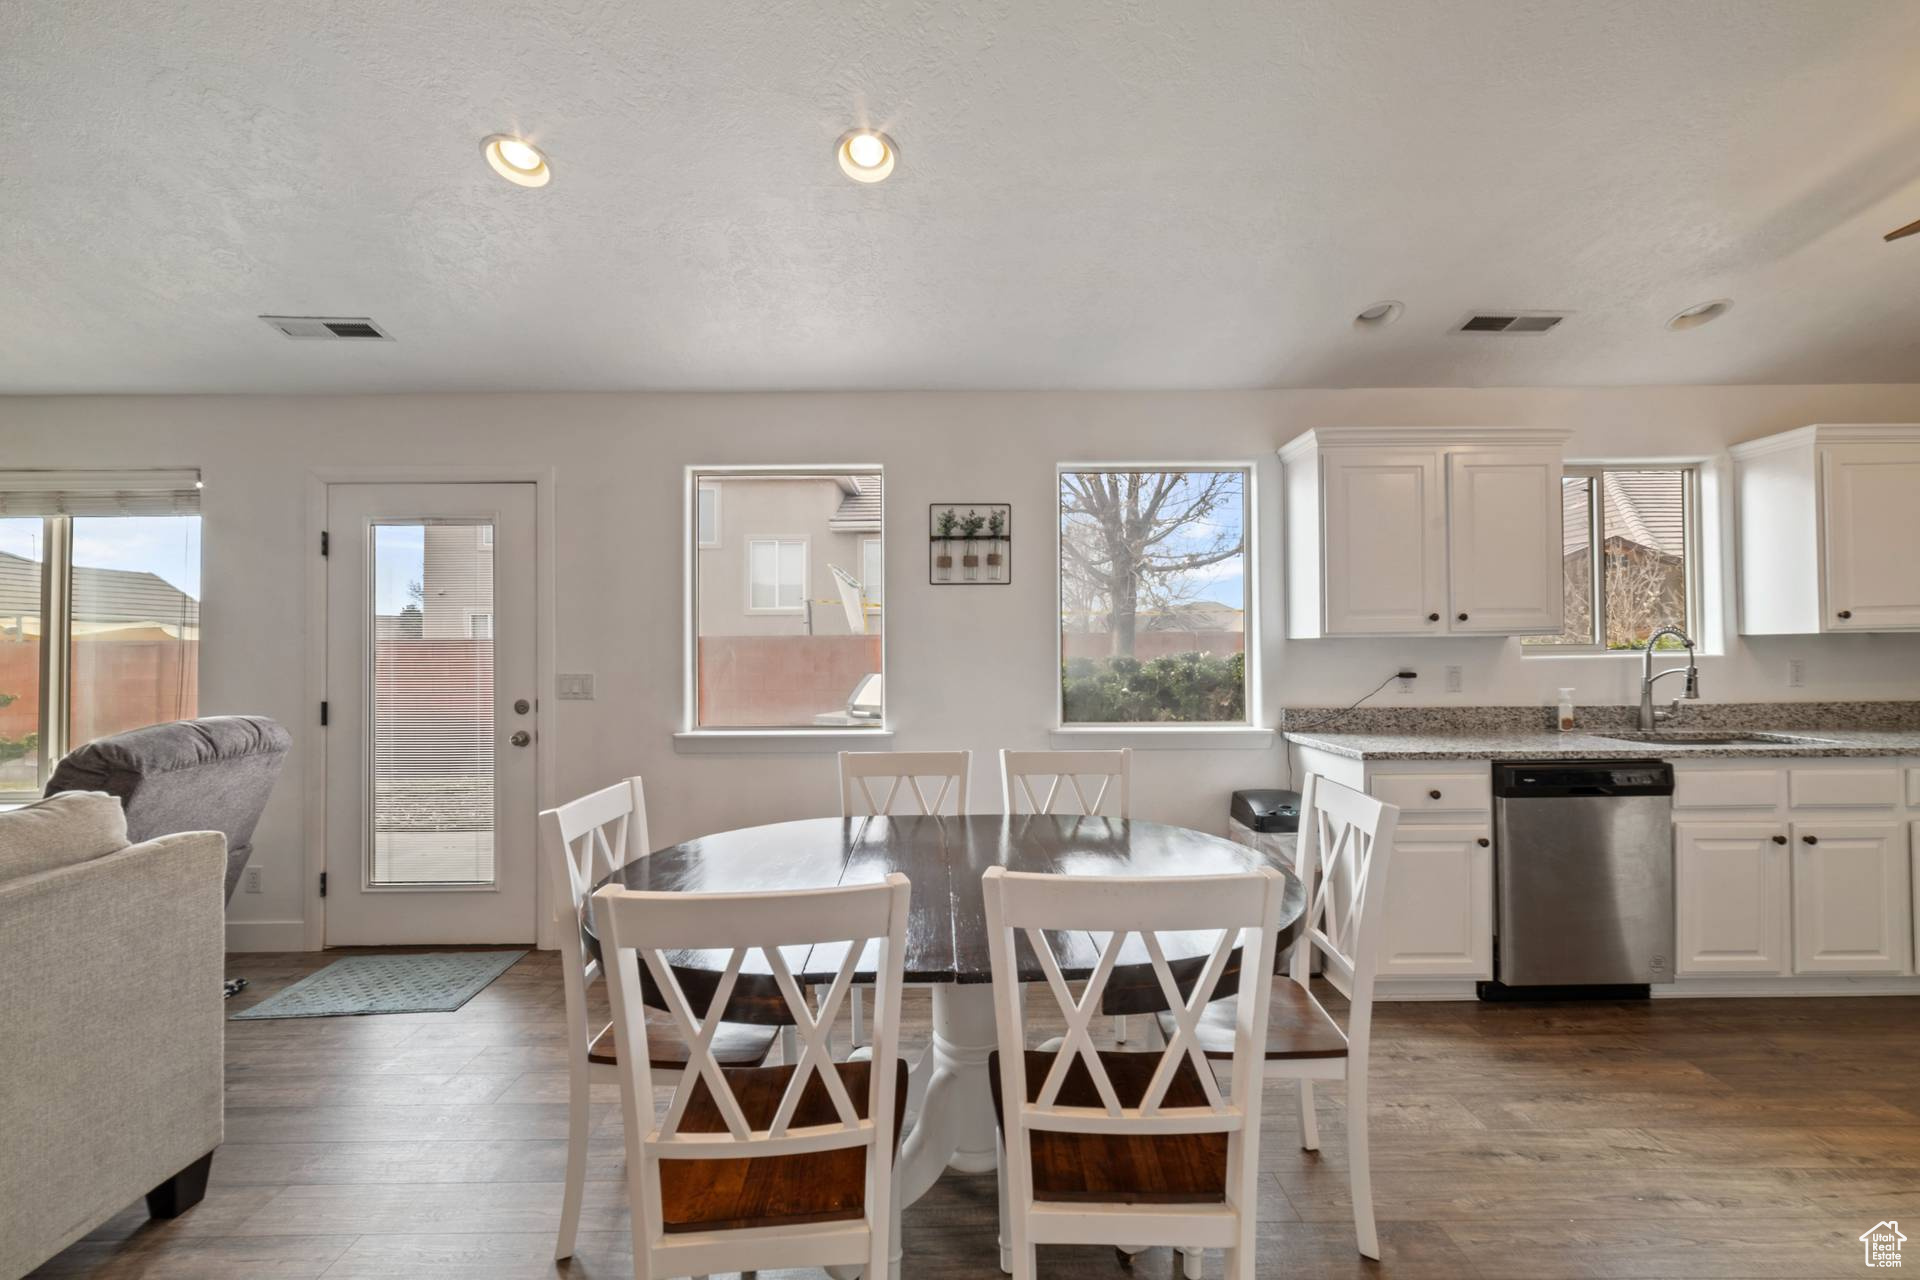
x=1041 y=780
x=1345 y=850
x=816 y=938
x=581 y=843
x=903 y=779
x=1128 y=918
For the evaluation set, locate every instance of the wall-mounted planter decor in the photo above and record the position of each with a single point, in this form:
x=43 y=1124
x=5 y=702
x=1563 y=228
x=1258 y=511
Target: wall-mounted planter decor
x=970 y=543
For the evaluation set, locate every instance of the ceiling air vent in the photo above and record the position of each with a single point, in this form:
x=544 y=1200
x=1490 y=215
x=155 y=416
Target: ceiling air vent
x=1512 y=322
x=328 y=328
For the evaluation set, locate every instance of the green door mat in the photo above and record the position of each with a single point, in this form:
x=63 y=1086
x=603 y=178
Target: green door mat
x=431 y=982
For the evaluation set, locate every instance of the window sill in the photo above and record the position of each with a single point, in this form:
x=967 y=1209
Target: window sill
x=745 y=742
x=1172 y=738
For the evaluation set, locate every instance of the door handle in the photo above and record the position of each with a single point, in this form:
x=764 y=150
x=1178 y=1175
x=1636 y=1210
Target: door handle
x=520 y=738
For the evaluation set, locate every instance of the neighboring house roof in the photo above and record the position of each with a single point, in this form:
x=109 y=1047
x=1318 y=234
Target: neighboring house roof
x=99 y=595
x=859 y=510
x=1646 y=508
x=1195 y=615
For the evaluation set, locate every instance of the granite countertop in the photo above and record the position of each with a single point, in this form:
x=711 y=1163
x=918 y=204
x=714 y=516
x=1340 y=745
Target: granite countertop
x=1519 y=745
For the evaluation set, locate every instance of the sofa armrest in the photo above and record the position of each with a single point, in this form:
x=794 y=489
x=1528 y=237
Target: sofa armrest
x=112 y=1052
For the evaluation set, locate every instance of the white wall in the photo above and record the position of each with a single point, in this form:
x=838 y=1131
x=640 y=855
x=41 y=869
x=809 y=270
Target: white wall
x=969 y=666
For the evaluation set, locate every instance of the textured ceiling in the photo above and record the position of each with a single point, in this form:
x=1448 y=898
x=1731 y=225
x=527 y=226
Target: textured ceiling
x=1100 y=194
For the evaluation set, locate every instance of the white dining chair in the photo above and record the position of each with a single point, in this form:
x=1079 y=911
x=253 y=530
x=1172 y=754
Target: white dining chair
x=768 y=1167
x=1128 y=1147
x=1059 y=774
x=582 y=842
x=908 y=777
x=1346 y=848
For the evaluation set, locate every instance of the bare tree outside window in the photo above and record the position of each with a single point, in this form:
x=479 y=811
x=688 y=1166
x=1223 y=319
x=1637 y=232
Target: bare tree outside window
x=1153 y=596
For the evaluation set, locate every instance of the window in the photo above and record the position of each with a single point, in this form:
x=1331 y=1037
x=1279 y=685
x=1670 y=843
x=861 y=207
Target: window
x=1155 y=589
x=707 y=499
x=485 y=536
x=787 y=625
x=872 y=572
x=118 y=555
x=479 y=626
x=1645 y=522
x=777 y=575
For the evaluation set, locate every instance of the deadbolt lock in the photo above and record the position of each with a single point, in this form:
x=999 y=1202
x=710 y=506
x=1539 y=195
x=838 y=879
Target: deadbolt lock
x=521 y=706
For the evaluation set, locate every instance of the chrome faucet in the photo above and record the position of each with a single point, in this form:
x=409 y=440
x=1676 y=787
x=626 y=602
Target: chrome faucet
x=1648 y=716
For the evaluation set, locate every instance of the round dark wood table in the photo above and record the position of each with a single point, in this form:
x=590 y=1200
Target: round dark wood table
x=946 y=948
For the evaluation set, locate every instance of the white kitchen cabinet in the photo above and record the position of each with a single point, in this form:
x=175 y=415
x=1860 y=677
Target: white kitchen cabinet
x=1826 y=523
x=1852 y=904
x=1386 y=552
x=1423 y=531
x=1439 y=920
x=1505 y=542
x=1731 y=887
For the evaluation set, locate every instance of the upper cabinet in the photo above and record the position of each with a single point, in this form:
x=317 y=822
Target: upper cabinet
x=1423 y=531
x=1828 y=519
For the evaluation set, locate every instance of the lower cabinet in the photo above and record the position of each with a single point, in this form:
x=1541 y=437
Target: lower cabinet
x=1852 y=898
x=1439 y=904
x=1731 y=886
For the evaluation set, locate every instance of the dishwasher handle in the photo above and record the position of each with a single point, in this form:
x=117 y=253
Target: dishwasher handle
x=1524 y=779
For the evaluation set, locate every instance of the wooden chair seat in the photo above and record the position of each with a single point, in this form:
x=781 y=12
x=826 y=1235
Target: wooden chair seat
x=1297 y=1027
x=763 y=1191
x=735 y=1044
x=1188 y=1168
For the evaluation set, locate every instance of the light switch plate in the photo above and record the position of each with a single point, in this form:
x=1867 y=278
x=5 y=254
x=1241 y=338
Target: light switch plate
x=1796 y=673
x=574 y=686
x=1453 y=679
x=253 y=879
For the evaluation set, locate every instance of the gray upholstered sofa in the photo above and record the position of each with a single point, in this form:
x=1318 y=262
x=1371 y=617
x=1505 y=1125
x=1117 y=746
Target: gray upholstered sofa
x=211 y=774
x=110 y=1021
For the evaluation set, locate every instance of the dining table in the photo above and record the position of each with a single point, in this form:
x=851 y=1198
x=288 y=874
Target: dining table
x=949 y=1105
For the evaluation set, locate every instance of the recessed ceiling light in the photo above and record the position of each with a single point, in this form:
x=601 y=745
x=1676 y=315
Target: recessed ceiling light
x=1694 y=317
x=1378 y=316
x=516 y=160
x=866 y=155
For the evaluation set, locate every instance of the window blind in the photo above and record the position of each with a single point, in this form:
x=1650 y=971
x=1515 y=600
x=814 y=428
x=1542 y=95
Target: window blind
x=100 y=493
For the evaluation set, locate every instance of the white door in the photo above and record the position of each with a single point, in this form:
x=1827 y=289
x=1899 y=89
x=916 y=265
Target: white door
x=1731 y=888
x=1505 y=542
x=431 y=763
x=1439 y=904
x=1385 y=542
x=1851 y=903
x=1872 y=528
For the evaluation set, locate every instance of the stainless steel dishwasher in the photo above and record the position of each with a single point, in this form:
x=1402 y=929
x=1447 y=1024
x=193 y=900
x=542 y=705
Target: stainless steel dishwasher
x=1583 y=874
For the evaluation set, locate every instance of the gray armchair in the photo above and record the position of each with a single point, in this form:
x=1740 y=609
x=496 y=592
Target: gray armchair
x=212 y=774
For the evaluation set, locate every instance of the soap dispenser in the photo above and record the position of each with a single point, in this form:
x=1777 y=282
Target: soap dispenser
x=1566 y=711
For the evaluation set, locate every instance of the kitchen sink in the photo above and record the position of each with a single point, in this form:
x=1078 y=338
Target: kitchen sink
x=1713 y=738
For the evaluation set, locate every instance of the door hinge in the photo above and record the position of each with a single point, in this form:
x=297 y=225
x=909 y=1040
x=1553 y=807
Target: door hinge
x=323 y=884
x=323 y=715
x=325 y=545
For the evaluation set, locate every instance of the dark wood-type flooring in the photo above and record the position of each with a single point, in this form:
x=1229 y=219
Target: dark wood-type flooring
x=1667 y=1139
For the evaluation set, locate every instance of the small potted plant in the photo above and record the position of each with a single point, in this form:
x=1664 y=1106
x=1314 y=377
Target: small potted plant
x=996 y=530
x=946 y=526
x=970 y=526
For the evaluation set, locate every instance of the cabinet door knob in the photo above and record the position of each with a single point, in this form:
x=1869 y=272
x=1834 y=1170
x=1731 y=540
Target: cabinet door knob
x=1846 y=613
x=1433 y=617
x=1779 y=839
x=1809 y=840
x=1483 y=842
x=1433 y=795
x=1463 y=617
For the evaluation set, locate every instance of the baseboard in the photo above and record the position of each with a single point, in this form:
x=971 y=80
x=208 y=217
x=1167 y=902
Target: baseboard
x=266 y=935
x=1776 y=988
x=1411 y=989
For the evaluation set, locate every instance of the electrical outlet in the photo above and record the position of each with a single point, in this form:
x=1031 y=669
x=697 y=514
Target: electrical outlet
x=574 y=686
x=253 y=879
x=1405 y=683
x=1454 y=679
x=1796 y=673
